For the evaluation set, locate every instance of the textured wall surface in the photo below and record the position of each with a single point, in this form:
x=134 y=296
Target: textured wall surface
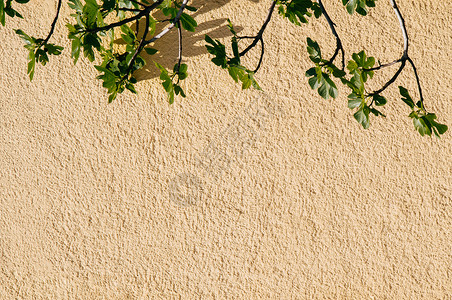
x=226 y=193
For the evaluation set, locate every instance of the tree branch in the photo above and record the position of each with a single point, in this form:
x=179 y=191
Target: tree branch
x=339 y=46
x=405 y=57
x=417 y=80
x=261 y=57
x=52 y=28
x=179 y=60
x=402 y=26
x=391 y=81
x=171 y=26
x=141 y=14
x=261 y=31
x=140 y=47
x=384 y=65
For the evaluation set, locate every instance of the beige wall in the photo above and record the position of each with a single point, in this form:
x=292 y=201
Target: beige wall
x=227 y=193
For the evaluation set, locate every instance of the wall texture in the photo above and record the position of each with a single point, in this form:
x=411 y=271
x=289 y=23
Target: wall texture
x=227 y=193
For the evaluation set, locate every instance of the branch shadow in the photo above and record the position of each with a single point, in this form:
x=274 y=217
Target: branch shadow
x=193 y=42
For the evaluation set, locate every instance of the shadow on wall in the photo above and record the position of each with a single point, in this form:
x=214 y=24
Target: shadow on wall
x=193 y=42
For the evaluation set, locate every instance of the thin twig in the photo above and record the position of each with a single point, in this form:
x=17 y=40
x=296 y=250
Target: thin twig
x=404 y=57
x=138 y=16
x=402 y=25
x=171 y=26
x=140 y=47
x=339 y=46
x=52 y=28
x=262 y=55
x=391 y=81
x=384 y=65
x=417 y=80
x=179 y=61
x=261 y=31
x=129 y=9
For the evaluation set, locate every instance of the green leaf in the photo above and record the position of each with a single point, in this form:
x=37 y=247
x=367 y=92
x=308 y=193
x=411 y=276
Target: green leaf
x=379 y=100
x=152 y=25
x=178 y=90
x=231 y=27
x=338 y=73
x=311 y=72
x=2 y=12
x=76 y=5
x=376 y=112
x=351 y=5
x=150 y=51
x=188 y=23
x=112 y=96
x=324 y=89
x=354 y=101
x=313 y=83
x=246 y=82
x=406 y=97
x=420 y=126
x=109 y=4
x=27 y=39
x=438 y=128
x=75 y=53
x=362 y=116
x=314 y=51
x=191 y=8
x=31 y=65
x=183 y=68
x=131 y=88
x=234 y=73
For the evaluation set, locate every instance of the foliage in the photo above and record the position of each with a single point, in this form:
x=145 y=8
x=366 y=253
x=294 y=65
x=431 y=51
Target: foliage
x=93 y=36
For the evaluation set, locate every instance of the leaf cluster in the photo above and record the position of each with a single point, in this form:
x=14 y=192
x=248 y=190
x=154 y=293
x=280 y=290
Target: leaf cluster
x=236 y=70
x=320 y=75
x=297 y=11
x=7 y=9
x=93 y=36
x=423 y=121
x=360 y=6
x=38 y=51
x=173 y=88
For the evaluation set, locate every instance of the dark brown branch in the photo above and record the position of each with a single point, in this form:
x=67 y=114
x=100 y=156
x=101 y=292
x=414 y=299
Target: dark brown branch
x=52 y=28
x=258 y=37
x=405 y=57
x=417 y=81
x=384 y=65
x=140 y=47
x=391 y=81
x=339 y=46
x=129 y=9
x=171 y=26
x=262 y=56
x=179 y=61
x=261 y=31
x=141 y=14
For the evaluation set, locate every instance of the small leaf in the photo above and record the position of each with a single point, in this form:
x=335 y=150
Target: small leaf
x=379 y=100
x=188 y=23
x=354 y=101
x=75 y=53
x=362 y=116
x=150 y=51
x=406 y=97
x=421 y=127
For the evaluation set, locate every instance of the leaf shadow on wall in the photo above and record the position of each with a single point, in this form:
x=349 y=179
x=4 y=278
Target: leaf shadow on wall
x=193 y=42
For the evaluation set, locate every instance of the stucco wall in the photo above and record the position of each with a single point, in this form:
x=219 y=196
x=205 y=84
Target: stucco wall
x=227 y=193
